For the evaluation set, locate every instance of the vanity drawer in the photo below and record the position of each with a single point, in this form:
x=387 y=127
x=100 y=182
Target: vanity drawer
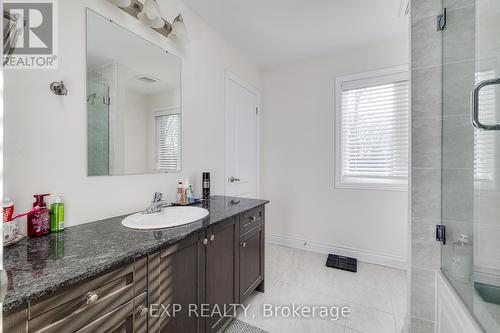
x=75 y=314
x=251 y=219
x=126 y=318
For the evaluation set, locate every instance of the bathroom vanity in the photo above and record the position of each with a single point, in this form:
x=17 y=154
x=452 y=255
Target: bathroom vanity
x=103 y=277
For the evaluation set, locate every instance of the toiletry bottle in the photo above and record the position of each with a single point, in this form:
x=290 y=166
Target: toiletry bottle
x=206 y=185
x=180 y=189
x=190 y=196
x=39 y=219
x=184 y=196
x=8 y=210
x=57 y=215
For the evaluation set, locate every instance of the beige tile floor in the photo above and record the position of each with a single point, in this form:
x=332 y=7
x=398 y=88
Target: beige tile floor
x=375 y=294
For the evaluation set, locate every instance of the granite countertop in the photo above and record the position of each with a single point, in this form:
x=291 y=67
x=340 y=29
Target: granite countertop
x=41 y=266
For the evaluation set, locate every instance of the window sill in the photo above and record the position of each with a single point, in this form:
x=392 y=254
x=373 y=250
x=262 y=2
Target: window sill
x=372 y=186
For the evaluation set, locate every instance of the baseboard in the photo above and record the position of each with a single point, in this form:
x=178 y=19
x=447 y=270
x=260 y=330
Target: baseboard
x=362 y=255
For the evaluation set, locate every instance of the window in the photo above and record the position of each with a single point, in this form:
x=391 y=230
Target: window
x=372 y=130
x=167 y=141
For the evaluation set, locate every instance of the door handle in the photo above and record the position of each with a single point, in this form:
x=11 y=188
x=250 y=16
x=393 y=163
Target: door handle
x=234 y=179
x=475 y=106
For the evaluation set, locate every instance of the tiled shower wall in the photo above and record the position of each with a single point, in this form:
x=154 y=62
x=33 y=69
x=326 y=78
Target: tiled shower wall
x=442 y=65
x=426 y=90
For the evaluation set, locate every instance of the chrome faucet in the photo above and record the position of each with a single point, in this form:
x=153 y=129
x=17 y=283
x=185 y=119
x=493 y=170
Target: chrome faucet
x=156 y=205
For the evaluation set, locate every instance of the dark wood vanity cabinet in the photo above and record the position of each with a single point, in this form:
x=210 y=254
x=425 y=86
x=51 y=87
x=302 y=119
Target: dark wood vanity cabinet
x=199 y=270
x=176 y=277
x=252 y=252
x=252 y=262
x=202 y=275
x=113 y=302
x=222 y=273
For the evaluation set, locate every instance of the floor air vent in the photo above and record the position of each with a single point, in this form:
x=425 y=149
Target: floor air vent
x=343 y=263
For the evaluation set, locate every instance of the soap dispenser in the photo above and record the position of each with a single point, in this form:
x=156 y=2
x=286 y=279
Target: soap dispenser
x=39 y=217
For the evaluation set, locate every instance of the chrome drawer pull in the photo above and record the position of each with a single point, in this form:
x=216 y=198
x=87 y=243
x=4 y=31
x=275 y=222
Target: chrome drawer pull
x=205 y=241
x=91 y=298
x=244 y=244
x=142 y=311
x=212 y=238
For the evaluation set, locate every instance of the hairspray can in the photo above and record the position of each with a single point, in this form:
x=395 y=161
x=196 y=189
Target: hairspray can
x=206 y=185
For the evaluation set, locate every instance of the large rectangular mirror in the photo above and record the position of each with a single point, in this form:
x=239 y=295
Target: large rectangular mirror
x=133 y=103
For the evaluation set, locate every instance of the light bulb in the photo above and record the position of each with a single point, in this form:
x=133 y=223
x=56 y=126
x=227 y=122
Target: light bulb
x=179 y=30
x=121 y=3
x=150 y=15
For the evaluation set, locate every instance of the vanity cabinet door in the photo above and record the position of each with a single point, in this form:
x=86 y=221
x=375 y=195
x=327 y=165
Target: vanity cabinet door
x=221 y=273
x=180 y=283
x=251 y=261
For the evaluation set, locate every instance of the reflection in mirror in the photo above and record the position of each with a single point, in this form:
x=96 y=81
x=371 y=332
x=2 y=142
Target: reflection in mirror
x=133 y=103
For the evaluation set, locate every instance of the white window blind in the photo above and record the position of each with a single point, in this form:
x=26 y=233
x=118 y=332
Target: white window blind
x=167 y=155
x=373 y=130
x=484 y=141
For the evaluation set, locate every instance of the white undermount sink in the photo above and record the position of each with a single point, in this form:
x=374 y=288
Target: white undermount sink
x=167 y=218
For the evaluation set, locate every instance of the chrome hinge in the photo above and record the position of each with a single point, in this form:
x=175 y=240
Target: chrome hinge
x=441 y=21
x=441 y=233
x=106 y=100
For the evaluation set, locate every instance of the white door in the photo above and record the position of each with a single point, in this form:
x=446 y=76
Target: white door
x=242 y=137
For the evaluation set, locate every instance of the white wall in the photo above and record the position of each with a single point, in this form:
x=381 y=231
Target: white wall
x=136 y=122
x=45 y=135
x=297 y=128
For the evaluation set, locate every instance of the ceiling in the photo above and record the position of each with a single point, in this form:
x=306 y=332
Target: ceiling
x=273 y=32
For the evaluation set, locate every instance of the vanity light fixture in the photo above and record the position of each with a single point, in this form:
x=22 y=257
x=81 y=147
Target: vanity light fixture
x=149 y=14
x=179 y=30
x=121 y=3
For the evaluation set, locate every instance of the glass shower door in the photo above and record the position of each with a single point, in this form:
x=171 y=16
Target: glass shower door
x=471 y=155
x=98 y=126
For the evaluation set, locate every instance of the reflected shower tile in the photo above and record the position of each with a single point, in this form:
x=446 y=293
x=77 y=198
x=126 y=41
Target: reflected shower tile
x=458 y=83
x=421 y=9
x=454 y=4
x=426 y=142
x=426 y=92
x=426 y=43
x=488 y=245
x=425 y=251
x=426 y=193
x=454 y=230
x=458 y=192
x=421 y=326
x=459 y=37
x=423 y=287
x=458 y=142
x=487 y=209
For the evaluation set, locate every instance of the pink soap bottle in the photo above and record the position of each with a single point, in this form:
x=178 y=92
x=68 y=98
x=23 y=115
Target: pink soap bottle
x=39 y=218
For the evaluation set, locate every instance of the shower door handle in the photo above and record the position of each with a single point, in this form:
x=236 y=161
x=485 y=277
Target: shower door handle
x=475 y=106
